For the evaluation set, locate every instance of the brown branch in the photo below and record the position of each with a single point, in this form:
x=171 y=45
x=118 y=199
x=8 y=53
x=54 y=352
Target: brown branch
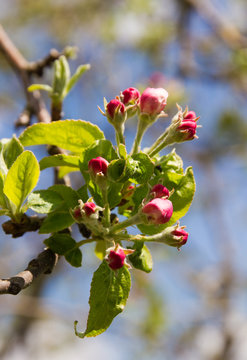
x=27 y=224
x=43 y=264
x=35 y=105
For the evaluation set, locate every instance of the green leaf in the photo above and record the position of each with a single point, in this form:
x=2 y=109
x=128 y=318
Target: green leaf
x=100 y=249
x=59 y=160
x=138 y=169
x=184 y=188
x=64 y=170
x=60 y=243
x=69 y=195
x=73 y=135
x=11 y=150
x=64 y=244
x=5 y=212
x=2 y=199
x=56 y=221
x=141 y=259
x=82 y=193
x=44 y=87
x=139 y=194
x=108 y=296
x=74 y=257
x=79 y=72
x=143 y=168
x=22 y=177
x=171 y=161
x=44 y=201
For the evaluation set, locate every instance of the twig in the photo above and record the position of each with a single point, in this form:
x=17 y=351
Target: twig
x=27 y=224
x=43 y=264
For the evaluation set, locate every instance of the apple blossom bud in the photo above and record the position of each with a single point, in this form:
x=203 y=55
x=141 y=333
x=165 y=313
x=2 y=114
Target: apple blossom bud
x=113 y=108
x=89 y=208
x=153 y=100
x=158 y=211
x=116 y=258
x=191 y=115
x=160 y=191
x=130 y=95
x=77 y=213
x=180 y=232
x=98 y=165
x=188 y=129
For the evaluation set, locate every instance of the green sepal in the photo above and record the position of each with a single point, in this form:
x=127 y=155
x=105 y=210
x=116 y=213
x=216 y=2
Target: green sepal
x=141 y=259
x=108 y=295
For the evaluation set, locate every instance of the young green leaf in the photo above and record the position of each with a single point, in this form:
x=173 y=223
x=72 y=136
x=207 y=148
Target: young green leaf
x=69 y=195
x=11 y=150
x=44 y=201
x=60 y=243
x=65 y=170
x=64 y=244
x=108 y=296
x=171 y=161
x=56 y=221
x=141 y=259
x=2 y=199
x=74 y=257
x=22 y=177
x=74 y=78
x=100 y=249
x=73 y=135
x=44 y=87
x=59 y=160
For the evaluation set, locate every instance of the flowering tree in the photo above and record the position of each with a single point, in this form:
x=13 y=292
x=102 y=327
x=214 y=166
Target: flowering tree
x=120 y=189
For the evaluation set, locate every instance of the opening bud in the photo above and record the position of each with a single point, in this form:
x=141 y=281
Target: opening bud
x=153 y=101
x=182 y=234
x=116 y=257
x=115 y=110
x=160 y=191
x=158 y=211
x=130 y=95
x=97 y=166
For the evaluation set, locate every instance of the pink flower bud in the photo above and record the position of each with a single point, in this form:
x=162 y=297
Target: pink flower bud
x=116 y=258
x=153 y=101
x=89 y=208
x=130 y=94
x=158 y=211
x=190 y=116
x=181 y=233
x=77 y=213
x=160 y=191
x=113 y=107
x=98 y=165
x=188 y=127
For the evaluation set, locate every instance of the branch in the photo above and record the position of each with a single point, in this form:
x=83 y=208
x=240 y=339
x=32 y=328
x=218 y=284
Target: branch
x=35 y=105
x=43 y=264
x=27 y=223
